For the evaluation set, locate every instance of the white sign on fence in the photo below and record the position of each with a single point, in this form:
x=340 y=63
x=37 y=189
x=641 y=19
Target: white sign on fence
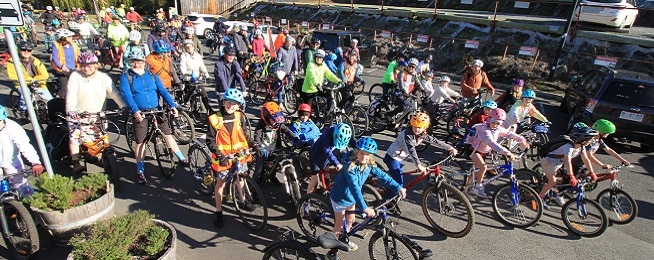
x=283 y=21
x=466 y=2
x=385 y=34
x=422 y=38
x=606 y=61
x=305 y=24
x=326 y=26
x=268 y=19
x=10 y=13
x=472 y=44
x=252 y=14
x=528 y=50
x=519 y=4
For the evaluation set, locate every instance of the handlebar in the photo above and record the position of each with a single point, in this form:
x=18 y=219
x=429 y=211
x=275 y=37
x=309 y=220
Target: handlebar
x=24 y=172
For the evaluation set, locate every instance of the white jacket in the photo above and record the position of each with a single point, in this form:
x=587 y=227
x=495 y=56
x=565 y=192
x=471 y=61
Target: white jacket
x=192 y=64
x=14 y=140
x=441 y=94
x=90 y=94
x=86 y=28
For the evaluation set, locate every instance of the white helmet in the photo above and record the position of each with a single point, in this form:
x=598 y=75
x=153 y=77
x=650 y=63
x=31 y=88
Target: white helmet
x=131 y=8
x=48 y=8
x=61 y=33
x=444 y=78
x=73 y=25
x=413 y=61
x=189 y=30
x=134 y=35
x=108 y=9
x=478 y=62
x=258 y=32
x=244 y=27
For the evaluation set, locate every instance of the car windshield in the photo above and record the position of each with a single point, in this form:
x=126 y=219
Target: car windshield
x=606 y=1
x=192 y=18
x=630 y=93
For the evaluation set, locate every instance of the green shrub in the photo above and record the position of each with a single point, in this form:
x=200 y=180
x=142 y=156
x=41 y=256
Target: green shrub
x=56 y=193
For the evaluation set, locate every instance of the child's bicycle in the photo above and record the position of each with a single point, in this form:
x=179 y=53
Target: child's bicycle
x=18 y=227
x=385 y=243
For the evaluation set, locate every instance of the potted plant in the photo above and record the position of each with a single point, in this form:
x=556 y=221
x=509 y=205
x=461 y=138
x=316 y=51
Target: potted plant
x=136 y=235
x=65 y=206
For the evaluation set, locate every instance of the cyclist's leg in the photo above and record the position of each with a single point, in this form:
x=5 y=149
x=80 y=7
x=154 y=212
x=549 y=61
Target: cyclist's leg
x=478 y=161
x=385 y=88
x=339 y=213
x=218 y=191
x=394 y=169
x=313 y=181
x=63 y=82
x=140 y=132
x=165 y=128
x=258 y=168
x=549 y=169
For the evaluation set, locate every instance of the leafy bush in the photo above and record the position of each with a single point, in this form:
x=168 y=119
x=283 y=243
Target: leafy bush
x=56 y=193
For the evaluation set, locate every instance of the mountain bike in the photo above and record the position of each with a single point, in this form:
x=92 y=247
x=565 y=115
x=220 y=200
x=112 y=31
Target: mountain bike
x=155 y=142
x=458 y=119
x=282 y=160
x=268 y=89
x=380 y=121
x=324 y=109
x=18 y=227
x=316 y=215
x=193 y=97
x=19 y=109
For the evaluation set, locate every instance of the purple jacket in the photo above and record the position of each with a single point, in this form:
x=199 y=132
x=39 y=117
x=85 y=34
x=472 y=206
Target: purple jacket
x=227 y=75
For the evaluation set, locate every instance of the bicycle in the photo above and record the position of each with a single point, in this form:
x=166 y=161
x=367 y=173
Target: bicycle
x=458 y=118
x=19 y=108
x=204 y=179
x=357 y=114
x=18 y=227
x=193 y=98
x=268 y=89
x=534 y=131
x=445 y=207
x=325 y=110
x=282 y=160
x=109 y=58
x=380 y=121
x=163 y=154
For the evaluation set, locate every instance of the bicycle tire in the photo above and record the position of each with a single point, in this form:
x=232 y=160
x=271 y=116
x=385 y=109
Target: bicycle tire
x=378 y=123
x=525 y=213
x=260 y=92
x=198 y=112
x=165 y=156
x=15 y=99
x=200 y=163
x=393 y=246
x=294 y=185
x=359 y=118
x=457 y=123
x=357 y=88
x=288 y=249
x=21 y=223
x=598 y=225
x=110 y=165
x=309 y=209
x=374 y=91
x=621 y=208
x=112 y=130
x=291 y=100
x=259 y=218
x=247 y=126
x=448 y=193
x=182 y=127
x=130 y=136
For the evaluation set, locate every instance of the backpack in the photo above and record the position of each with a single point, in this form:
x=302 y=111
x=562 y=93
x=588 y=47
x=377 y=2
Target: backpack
x=546 y=149
x=473 y=135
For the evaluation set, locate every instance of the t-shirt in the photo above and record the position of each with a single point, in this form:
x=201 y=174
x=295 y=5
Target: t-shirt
x=568 y=149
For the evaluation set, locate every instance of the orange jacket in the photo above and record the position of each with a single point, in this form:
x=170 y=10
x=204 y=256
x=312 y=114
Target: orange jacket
x=160 y=67
x=471 y=83
x=61 y=56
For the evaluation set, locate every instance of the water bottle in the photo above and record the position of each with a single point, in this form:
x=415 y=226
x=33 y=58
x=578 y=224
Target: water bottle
x=4 y=186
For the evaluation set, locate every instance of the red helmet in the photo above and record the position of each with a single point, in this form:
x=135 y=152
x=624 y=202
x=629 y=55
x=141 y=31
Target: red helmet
x=304 y=107
x=497 y=114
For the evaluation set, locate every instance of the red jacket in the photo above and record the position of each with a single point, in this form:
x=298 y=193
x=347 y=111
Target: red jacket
x=258 y=45
x=134 y=17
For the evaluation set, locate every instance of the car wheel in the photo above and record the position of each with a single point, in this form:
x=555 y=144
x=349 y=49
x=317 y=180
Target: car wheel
x=207 y=34
x=373 y=60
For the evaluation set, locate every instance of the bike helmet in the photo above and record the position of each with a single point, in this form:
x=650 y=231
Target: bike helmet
x=234 y=95
x=604 y=126
x=445 y=78
x=353 y=53
x=580 y=124
x=518 y=82
x=160 y=46
x=131 y=8
x=489 y=104
x=159 y=28
x=528 y=93
x=304 y=107
x=414 y=62
x=80 y=17
x=49 y=28
x=428 y=74
x=62 y=33
x=87 y=58
x=244 y=27
x=189 y=30
x=135 y=35
x=72 y=25
x=3 y=113
x=272 y=114
x=420 y=120
x=315 y=40
x=229 y=50
x=338 y=51
x=582 y=134
x=188 y=42
x=429 y=57
x=258 y=32
x=319 y=54
x=478 y=63
x=136 y=54
x=342 y=135
x=402 y=63
x=367 y=144
x=497 y=115
x=48 y=8
x=25 y=45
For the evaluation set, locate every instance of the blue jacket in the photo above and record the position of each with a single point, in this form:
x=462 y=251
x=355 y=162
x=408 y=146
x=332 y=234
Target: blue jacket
x=331 y=64
x=322 y=151
x=307 y=131
x=144 y=92
x=347 y=186
x=228 y=75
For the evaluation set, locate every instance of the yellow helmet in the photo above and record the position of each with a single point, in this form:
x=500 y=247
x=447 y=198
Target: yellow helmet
x=420 y=120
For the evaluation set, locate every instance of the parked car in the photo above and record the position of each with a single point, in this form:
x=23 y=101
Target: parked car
x=624 y=97
x=614 y=13
x=330 y=39
x=204 y=23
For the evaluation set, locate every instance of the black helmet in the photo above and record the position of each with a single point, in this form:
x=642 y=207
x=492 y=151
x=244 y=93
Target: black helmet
x=229 y=50
x=582 y=134
x=25 y=45
x=159 y=27
x=315 y=40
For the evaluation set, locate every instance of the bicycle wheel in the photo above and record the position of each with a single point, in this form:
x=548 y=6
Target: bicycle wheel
x=113 y=131
x=247 y=126
x=41 y=109
x=319 y=108
x=15 y=100
x=199 y=159
x=359 y=118
x=288 y=249
x=374 y=91
x=260 y=92
x=255 y=217
x=182 y=128
x=313 y=211
x=165 y=157
x=377 y=122
x=519 y=207
x=457 y=123
x=198 y=111
x=130 y=135
x=586 y=218
x=447 y=210
x=291 y=100
x=110 y=165
x=621 y=208
x=22 y=239
x=457 y=174
x=357 y=88
x=393 y=246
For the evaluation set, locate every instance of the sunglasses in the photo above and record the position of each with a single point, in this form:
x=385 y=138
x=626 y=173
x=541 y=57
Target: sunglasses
x=412 y=67
x=26 y=50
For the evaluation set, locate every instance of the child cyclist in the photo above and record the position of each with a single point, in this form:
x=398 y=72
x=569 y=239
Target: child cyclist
x=484 y=138
x=508 y=99
x=405 y=146
x=346 y=194
x=522 y=109
x=306 y=130
x=482 y=115
x=265 y=136
x=605 y=128
x=336 y=137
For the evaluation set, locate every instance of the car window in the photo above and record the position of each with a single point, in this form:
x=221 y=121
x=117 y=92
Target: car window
x=582 y=84
x=629 y=93
x=192 y=18
x=209 y=19
x=346 y=40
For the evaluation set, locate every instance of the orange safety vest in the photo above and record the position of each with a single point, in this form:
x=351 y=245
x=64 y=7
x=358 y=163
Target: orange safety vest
x=228 y=141
x=62 y=59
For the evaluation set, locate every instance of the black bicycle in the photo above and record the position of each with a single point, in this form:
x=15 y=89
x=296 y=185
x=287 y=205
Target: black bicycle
x=18 y=227
x=155 y=141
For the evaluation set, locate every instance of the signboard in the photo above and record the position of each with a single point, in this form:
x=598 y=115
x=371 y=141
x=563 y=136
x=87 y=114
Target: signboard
x=472 y=44
x=519 y=4
x=528 y=50
x=10 y=13
x=606 y=61
x=283 y=21
x=305 y=24
x=466 y=2
x=422 y=38
x=268 y=19
x=252 y=14
x=326 y=26
x=385 y=34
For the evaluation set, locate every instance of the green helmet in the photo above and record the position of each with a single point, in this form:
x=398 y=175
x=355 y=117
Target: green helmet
x=604 y=126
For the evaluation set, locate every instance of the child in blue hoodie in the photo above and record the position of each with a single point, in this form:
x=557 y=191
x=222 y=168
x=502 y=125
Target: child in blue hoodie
x=336 y=137
x=307 y=131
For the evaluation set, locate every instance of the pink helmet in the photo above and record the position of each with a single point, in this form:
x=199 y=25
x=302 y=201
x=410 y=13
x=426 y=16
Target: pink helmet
x=87 y=58
x=497 y=114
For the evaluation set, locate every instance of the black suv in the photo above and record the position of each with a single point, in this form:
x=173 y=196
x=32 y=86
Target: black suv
x=624 y=97
x=330 y=39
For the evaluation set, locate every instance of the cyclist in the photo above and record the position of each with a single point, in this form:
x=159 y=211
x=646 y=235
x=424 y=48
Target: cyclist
x=118 y=34
x=350 y=72
x=228 y=72
x=161 y=64
x=64 y=58
x=605 y=128
x=107 y=17
x=225 y=137
x=266 y=135
x=508 y=99
x=425 y=65
x=345 y=194
x=50 y=38
x=315 y=75
x=580 y=137
x=241 y=43
x=219 y=28
x=281 y=38
x=133 y=17
x=48 y=16
x=259 y=44
x=321 y=153
x=14 y=140
x=304 y=127
x=159 y=34
x=472 y=80
x=287 y=54
x=190 y=61
x=141 y=91
x=85 y=30
x=353 y=47
x=309 y=53
x=120 y=11
x=482 y=116
x=88 y=89
x=390 y=76
x=33 y=70
x=522 y=109
x=405 y=144
x=484 y=138
x=60 y=15
x=407 y=79
x=441 y=93
x=189 y=35
x=135 y=43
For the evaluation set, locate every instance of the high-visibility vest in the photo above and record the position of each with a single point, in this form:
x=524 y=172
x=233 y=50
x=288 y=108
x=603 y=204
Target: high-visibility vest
x=228 y=141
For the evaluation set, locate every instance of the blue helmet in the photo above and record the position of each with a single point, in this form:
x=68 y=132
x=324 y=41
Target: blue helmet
x=403 y=63
x=338 y=50
x=3 y=113
x=331 y=56
x=161 y=46
x=489 y=104
x=367 y=144
x=234 y=95
x=342 y=135
x=528 y=93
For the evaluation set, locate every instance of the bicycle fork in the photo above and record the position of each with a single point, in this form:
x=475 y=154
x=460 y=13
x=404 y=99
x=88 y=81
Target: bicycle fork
x=4 y=222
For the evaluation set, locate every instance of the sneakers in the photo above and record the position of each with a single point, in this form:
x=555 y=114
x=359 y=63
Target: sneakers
x=545 y=205
x=78 y=168
x=140 y=178
x=185 y=163
x=353 y=246
x=559 y=200
x=478 y=190
x=247 y=206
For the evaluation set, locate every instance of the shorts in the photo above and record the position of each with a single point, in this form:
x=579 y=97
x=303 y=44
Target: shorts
x=141 y=129
x=338 y=207
x=79 y=133
x=548 y=166
x=223 y=175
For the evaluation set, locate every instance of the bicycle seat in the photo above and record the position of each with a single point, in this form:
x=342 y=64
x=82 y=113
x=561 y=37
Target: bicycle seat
x=329 y=241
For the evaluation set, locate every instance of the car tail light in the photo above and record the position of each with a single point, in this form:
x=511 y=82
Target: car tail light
x=591 y=105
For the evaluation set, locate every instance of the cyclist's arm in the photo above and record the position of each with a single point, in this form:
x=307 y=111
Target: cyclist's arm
x=239 y=76
x=385 y=179
x=126 y=93
x=11 y=72
x=354 y=188
x=592 y=159
x=410 y=143
x=210 y=141
x=341 y=72
x=287 y=131
x=488 y=139
x=612 y=152
x=55 y=57
x=219 y=75
x=533 y=112
x=400 y=84
x=435 y=141
x=464 y=84
x=486 y=83
x=184 y=61
x=203 y=68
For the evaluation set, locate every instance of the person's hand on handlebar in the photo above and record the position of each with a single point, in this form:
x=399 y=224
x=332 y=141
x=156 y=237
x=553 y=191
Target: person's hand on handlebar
x=139 y=116
x=402 y=193
x=370 y=212
x=174 y=112
x=37 y=169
